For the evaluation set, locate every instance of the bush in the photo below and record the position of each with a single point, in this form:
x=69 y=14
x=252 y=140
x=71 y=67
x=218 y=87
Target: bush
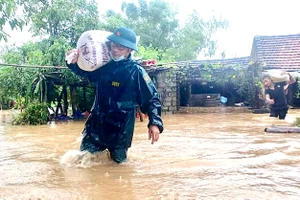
x=34 y=114
x=297 y=122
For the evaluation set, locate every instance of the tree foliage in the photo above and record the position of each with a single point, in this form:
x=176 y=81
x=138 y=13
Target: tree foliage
x=196 y=36
x=62 y=18
x=231 y=80
x=14 y=81
x=250 y=85
x=9 y=15
x=21 y=81
x=36 y=113
x=60 y=23
x=112 y=20
x=154 y=21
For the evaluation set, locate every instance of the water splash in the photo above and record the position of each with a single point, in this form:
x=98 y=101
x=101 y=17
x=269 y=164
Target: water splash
x=84 y=159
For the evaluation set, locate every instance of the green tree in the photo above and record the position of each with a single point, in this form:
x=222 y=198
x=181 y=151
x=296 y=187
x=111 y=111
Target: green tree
x=150 y=52
x=154 y=21
x=61 y=18
x=196 y=37
x=14 y=81
x=250 y=84
x=111 y=20
x=8 y=13
x=60 y=23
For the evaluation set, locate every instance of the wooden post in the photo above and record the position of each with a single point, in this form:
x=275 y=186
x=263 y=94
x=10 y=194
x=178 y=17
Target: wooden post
x=84 y=96
x=282 y=129
x=58 y=104
x=72 y=96
x=65 y=98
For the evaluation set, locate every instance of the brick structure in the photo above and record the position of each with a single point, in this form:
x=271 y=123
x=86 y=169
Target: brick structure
x=166 y=84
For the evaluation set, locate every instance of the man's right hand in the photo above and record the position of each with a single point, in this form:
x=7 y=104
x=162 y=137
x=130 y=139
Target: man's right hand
x=72 y=56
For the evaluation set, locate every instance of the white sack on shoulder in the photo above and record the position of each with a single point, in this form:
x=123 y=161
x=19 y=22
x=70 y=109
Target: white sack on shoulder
x=277 y=76
x=93 y=50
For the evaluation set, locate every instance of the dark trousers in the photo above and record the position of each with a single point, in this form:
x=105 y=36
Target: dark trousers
x=279 y=113
x=91 y=144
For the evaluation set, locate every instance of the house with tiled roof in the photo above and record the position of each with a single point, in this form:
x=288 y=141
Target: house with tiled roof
x=273 y=52
x=277 y=52
x=193 y=91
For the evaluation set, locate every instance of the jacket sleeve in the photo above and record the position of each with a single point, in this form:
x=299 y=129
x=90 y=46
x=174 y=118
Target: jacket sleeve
x=92 y=76
x=148 y=99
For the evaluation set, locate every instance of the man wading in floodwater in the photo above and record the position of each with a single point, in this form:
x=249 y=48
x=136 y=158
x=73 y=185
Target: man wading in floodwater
x=121 y=85
x=275 y=95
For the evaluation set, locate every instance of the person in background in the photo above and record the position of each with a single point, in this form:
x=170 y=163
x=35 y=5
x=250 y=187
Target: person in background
x=275 y=94
x=121 y=85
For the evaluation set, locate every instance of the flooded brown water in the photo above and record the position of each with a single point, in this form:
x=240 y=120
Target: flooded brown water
x=220 y=153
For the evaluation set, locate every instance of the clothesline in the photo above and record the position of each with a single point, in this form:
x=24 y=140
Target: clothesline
x=31 y=66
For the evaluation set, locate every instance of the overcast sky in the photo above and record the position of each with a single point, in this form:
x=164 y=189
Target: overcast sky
x=247 y=18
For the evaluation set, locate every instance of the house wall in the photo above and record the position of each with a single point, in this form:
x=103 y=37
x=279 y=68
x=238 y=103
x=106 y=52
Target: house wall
x=166 y=85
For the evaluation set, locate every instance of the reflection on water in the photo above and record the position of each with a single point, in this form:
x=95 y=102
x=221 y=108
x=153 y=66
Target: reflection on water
x=220 y=153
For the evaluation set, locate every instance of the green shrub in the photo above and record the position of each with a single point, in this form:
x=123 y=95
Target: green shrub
x=297 y=122
x=34 y=114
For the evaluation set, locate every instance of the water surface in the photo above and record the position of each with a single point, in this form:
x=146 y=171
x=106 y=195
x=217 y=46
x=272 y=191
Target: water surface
x=205 y=153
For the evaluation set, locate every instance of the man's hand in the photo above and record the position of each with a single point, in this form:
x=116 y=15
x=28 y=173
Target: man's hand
x=72 y=56
x=270 y=101
x=153 y=133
